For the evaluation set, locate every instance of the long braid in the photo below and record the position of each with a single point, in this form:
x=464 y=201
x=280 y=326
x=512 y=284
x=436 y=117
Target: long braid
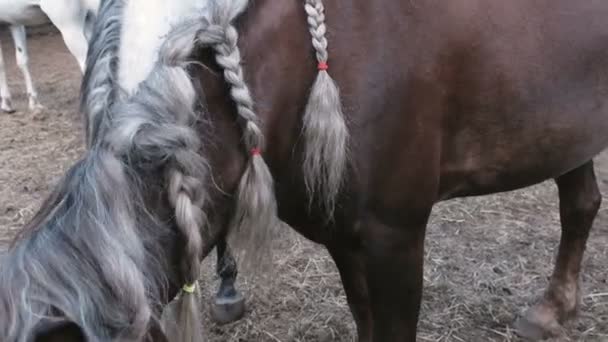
x=186 y=174
x=324 y=129
x=157 y=125
x=317 y=28
x=255 y=211
x=229 y=58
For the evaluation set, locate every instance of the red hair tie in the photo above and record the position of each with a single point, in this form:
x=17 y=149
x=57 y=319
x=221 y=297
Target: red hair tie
x=256 y=151
x=323 y=66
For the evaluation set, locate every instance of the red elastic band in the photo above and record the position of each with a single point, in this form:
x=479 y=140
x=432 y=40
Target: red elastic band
x=323 y=66
x=256 y=151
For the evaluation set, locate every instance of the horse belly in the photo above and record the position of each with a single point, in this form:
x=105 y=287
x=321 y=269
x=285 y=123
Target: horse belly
x=482 y=166
x=516 y=117
x=27 y=13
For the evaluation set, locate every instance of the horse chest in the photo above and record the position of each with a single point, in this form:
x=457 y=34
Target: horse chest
x=22 y=12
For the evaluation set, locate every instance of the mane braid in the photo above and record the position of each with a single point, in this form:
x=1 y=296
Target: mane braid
x=324 y=128
x=157 y=126
x=255 y=212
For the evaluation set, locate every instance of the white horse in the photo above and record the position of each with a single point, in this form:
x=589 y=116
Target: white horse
x=73 y=18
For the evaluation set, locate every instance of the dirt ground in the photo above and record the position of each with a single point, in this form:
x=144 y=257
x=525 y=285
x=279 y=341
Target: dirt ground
x=487 y=259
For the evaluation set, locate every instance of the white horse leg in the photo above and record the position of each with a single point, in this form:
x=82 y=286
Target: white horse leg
x=5 y=92
x=21 y=56
x=69 y=18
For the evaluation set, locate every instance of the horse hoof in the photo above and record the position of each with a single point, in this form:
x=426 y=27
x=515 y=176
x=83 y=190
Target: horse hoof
x=8 y=110
x=228 y=309
x=538 y=324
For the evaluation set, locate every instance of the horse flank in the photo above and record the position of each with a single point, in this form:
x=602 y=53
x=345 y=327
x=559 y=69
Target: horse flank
x=97 y=223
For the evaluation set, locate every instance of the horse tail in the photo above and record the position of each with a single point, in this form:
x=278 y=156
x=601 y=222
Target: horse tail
x=324 y=128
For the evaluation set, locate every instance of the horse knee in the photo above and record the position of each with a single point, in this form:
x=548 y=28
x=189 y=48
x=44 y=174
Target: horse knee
x=591 y=204
x=582 y=209
x=580 y=198
x=22 y=59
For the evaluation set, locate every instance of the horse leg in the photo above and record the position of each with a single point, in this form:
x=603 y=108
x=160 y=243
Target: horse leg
x=229 y=305
x=5 y=93
x=580 y=200
x=21 y=56
x=383 y=279
x=352 y=268
x=70 y=21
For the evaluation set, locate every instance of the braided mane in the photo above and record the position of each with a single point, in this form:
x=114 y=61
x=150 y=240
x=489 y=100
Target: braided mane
x=255 y=213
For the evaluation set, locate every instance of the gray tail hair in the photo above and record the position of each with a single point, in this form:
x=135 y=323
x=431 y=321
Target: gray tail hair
x=324 y=128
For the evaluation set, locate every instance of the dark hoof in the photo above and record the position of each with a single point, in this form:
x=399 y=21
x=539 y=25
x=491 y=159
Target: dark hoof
x=8 y=111
x=228 y=309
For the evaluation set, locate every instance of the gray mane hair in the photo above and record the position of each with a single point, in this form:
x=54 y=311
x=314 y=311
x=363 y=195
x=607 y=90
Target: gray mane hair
x=93 y=254
x=100 y=89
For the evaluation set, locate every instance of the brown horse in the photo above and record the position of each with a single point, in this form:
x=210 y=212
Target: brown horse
x=441 y=100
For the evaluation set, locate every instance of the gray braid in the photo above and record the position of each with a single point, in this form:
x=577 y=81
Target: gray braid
x=157 y=125
x=324 y=129
x=317 y=27
x=229 y=58
x=255 y=206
